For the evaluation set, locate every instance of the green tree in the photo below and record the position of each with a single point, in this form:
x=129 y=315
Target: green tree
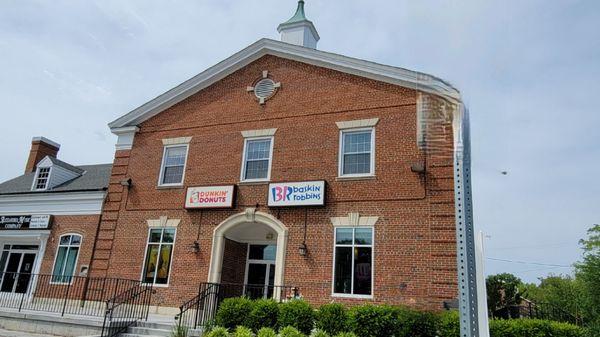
x=502 y=291
x=588 y=272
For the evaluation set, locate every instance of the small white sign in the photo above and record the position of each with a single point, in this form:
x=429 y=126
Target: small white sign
x=305 y=193
x=39 y=221
x=209 y=197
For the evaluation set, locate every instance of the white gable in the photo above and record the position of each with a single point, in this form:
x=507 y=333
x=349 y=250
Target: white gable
x=393 y=75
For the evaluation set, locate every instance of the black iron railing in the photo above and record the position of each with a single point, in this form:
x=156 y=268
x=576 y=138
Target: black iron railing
x=126 y=308
x=540 y=311
x=63 y=295
x=199 y=312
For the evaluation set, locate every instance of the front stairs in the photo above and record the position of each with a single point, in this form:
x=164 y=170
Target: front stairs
x=154 y=329
x=149 y=329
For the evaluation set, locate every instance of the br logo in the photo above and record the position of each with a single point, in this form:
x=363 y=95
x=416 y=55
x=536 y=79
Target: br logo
x=281 y=193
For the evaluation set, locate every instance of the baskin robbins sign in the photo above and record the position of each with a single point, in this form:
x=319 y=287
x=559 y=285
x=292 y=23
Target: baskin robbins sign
x=209 y=197
x=306 y=193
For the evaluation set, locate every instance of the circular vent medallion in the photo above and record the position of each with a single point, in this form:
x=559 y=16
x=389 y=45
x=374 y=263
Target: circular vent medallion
x=265 y=88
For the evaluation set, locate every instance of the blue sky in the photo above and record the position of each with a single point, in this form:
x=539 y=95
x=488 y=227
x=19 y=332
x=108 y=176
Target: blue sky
x=528 y=70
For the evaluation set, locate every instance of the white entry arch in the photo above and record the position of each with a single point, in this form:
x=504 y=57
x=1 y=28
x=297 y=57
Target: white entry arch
x=248 y=216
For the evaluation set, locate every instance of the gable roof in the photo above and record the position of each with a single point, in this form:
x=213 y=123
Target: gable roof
x=64 y=165
x=93 y=178
x=393 y=75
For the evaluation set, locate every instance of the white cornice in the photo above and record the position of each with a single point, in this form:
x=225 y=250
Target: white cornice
x=71 y=203
x=393 y=75
x=125 y=136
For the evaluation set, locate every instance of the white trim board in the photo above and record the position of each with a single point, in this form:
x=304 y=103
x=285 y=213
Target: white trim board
x=393 y=75
x=71 y=203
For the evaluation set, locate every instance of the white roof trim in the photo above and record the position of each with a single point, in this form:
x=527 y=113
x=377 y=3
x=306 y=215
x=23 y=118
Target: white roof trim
x=45 y=140
x=375 y=71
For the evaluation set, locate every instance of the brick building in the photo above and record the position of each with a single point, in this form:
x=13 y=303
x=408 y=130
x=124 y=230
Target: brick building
x=49 y=217
x=284 y=166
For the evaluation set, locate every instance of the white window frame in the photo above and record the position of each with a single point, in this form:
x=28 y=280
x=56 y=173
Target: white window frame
x=243 y=173
x=372 y=245
x=341 y=154
x=163 y=162
x=160 y=244
x=35 y=179
x=76 y=259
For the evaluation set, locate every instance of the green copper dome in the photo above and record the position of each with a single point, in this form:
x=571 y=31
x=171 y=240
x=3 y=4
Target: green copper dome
x=299 y=16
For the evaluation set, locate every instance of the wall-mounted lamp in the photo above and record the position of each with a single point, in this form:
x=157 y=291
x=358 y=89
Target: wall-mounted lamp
x=196 y=247
x=127 y=182
x=303 y=250
x=417 y=168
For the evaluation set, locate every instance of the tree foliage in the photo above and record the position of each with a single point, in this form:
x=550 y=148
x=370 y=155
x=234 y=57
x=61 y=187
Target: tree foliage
x=502 y=291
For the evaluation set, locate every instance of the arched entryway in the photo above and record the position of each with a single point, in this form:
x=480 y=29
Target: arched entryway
x=253 y=230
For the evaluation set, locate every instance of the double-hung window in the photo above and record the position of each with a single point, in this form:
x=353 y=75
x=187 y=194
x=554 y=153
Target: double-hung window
x=41 y=178
x=66 y=258
x=172 y=169
x=256 y=164
x=353 y=261
x=357 y=157
x=159 y=252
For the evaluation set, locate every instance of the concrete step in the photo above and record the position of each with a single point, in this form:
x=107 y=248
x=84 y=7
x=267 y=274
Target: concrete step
x=149 y=331
x=156 y=325
x=136 y=335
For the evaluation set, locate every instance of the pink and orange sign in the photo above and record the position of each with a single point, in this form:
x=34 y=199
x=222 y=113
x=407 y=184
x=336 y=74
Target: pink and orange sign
x=209 y=197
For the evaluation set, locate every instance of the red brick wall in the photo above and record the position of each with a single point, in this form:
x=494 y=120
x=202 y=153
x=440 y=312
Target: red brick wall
x=415 y=260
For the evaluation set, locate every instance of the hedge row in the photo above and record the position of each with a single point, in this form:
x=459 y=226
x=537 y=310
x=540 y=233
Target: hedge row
x=297 y=318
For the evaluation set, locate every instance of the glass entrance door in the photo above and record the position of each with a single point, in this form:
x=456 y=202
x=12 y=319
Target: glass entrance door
x=17 y=271
x=260 y=275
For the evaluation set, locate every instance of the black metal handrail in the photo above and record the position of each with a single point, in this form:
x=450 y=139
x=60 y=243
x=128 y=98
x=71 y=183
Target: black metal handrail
x=540 y=310
x=200 y=311
x=126 y=308
x=59 y=294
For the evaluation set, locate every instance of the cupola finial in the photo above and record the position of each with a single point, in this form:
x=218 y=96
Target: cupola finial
x=299 y=30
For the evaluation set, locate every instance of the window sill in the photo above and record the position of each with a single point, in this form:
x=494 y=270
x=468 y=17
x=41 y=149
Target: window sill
x=256 y=182
x=353 y=178
x=363 y=297
x=169 y=187
x=156 y=285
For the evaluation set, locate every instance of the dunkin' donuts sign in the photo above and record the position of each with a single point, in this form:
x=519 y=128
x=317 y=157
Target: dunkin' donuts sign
x=306 y=193
x=209 y=197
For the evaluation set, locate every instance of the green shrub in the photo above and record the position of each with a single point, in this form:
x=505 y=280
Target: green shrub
x=533 y=328
x=266 y=332
x=332 y=318
x=373 y=320
x=290 y=331
x=242 y=331
x=218 y=332
x=449 y=324
x=296 y=313
x=319 y=333
x=233 y=312
x=346 y=334
x=413 y=323
x=264 y=314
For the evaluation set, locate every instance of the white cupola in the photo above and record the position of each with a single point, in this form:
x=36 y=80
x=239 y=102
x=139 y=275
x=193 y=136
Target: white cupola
x=299 y=30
